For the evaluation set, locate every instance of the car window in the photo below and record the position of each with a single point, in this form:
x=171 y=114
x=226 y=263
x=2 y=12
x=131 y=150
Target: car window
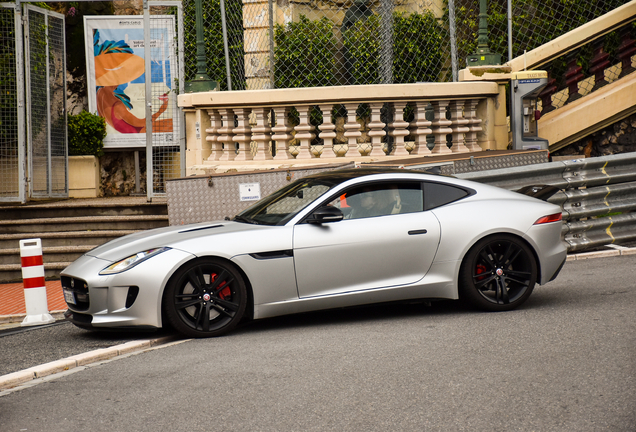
x=439 y=194
x=380 y=199
x=278 y=208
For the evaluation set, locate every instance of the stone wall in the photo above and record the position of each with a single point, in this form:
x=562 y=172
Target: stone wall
x=618 y=138
x=118 y=173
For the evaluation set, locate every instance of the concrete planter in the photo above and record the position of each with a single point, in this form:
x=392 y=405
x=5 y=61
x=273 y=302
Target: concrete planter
x=83 y=176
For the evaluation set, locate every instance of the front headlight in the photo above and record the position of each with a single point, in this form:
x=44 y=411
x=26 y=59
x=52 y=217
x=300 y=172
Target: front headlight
x=131 y=261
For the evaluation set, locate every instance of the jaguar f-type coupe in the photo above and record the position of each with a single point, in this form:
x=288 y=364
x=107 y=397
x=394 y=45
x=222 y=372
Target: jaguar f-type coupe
x=330 y=240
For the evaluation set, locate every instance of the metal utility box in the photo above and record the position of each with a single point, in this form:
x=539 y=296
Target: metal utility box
x=525 y=87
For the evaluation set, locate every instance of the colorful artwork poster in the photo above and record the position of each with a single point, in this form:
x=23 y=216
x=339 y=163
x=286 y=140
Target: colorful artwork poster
x=115 y=60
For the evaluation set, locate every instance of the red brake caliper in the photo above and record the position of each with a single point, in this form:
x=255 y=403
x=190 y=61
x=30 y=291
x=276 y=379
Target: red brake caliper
x=479 y=270
x=225 y=292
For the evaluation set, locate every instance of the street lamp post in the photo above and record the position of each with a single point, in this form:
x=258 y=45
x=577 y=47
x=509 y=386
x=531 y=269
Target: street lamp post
x=201 y=82
x=483 y=56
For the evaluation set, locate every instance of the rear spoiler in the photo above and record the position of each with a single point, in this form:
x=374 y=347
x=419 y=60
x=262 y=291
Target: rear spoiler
x=542 y=192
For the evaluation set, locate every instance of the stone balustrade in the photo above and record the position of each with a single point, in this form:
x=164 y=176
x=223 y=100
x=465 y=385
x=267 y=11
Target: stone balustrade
x=253 y=129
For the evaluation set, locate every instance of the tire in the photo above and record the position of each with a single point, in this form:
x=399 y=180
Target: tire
x=498 y=273
x=205 y=298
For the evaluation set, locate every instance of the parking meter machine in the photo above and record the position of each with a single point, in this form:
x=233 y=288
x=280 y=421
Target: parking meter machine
x=525 y=87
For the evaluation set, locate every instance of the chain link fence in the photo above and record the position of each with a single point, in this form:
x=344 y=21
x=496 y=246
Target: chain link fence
x=11 y=152
x=166 y=58
x=46 y=103
x=303 y=43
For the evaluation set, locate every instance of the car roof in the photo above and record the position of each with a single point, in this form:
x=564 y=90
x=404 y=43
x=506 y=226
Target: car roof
x=341 y=175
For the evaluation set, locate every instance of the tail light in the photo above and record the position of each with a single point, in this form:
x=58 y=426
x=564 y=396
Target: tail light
x=556 y=217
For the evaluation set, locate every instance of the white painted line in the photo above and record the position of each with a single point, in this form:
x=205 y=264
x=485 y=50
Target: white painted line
x=617 y=247
x=13 y=380
x=599 y=254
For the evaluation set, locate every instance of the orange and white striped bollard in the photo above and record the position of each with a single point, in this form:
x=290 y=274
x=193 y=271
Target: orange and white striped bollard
x=37 y=309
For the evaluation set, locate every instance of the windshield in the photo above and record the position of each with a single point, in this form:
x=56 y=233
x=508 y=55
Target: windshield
x=282 y=205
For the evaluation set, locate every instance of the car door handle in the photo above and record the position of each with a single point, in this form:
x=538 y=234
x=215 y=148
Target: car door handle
x=416 y=232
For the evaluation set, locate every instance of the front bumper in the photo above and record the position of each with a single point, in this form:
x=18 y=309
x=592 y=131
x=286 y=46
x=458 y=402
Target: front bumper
x=128 y=299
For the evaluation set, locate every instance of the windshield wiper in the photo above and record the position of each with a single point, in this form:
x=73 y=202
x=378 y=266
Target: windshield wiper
x=239 y=218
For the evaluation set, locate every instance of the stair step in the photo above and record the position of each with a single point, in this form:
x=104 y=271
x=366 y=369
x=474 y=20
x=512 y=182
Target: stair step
x=70 y=228
x=87 y=207
x=49 y=254
x=66 y=238
x=13 y=272
x=83 y=223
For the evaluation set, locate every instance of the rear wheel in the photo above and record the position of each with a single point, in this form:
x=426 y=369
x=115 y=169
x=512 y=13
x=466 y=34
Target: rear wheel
x=498 y=273
x=205 y=298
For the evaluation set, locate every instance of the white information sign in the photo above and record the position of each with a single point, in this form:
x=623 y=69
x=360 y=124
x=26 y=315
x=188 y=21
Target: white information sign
x=250 y=191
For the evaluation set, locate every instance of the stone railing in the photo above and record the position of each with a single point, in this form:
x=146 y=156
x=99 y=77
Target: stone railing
x=253 y=129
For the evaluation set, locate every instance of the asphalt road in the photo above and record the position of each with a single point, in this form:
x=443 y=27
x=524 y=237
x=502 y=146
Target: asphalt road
x=566 y=361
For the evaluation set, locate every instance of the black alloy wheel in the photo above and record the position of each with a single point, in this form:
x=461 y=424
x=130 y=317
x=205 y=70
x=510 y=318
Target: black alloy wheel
x=205 y=298
x=498 y=273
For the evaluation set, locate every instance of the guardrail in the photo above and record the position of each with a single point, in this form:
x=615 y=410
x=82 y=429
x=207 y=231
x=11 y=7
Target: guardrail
x=598 y=196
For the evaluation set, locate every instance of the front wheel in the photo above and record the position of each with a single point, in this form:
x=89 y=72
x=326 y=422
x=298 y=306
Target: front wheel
x=205 y=298
x=498 y=273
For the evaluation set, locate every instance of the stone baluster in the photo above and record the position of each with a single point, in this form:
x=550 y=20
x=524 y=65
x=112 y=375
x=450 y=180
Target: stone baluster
x=572 y=76
x=243 y=134
x=376 y=131
x=226 y=134
x=212 y=135
x=304 y=132
x=546 y=95
x=440 y=127
x=398 y=129
x=599 y=63
x=282 y=134
x=626 y=50
x=459 y=126
x=419 y=129
x=352 y=128
x=473 y=126
x=261 y=134
x=327 y=131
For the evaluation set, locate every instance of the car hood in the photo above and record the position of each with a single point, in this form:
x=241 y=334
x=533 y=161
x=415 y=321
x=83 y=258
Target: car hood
x=172 y=236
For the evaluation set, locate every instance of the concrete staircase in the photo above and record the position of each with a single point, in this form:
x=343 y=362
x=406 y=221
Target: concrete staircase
x=69 y=228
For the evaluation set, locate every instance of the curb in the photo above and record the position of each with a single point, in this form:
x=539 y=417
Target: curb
x=15 y=379
x=18 y=318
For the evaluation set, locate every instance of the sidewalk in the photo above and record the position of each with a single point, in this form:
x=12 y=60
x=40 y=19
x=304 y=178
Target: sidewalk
x=12 y=307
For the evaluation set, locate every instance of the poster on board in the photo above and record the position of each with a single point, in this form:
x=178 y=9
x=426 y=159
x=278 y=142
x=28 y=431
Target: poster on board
x=116 y=79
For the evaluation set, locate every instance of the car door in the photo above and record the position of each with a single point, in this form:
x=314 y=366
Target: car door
x=390 y=248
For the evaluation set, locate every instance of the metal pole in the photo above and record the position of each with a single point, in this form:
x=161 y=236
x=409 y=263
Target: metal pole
x=509 y=30
x=148 y=101
x=20 y=87
x=225 y=47
x=483 y=56
x=202 y=81
x=453 y=41
x=386 y=49
x=271 y=44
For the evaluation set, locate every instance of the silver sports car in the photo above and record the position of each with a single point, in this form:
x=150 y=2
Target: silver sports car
x=330 y=240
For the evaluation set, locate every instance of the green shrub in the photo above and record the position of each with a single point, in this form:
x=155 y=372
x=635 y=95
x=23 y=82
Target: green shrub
x=305 y=54
x=420 y=47
x=362 y=47
x=86 y=134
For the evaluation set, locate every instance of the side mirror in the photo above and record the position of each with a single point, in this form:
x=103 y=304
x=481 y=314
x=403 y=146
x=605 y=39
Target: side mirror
x=325 y=214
